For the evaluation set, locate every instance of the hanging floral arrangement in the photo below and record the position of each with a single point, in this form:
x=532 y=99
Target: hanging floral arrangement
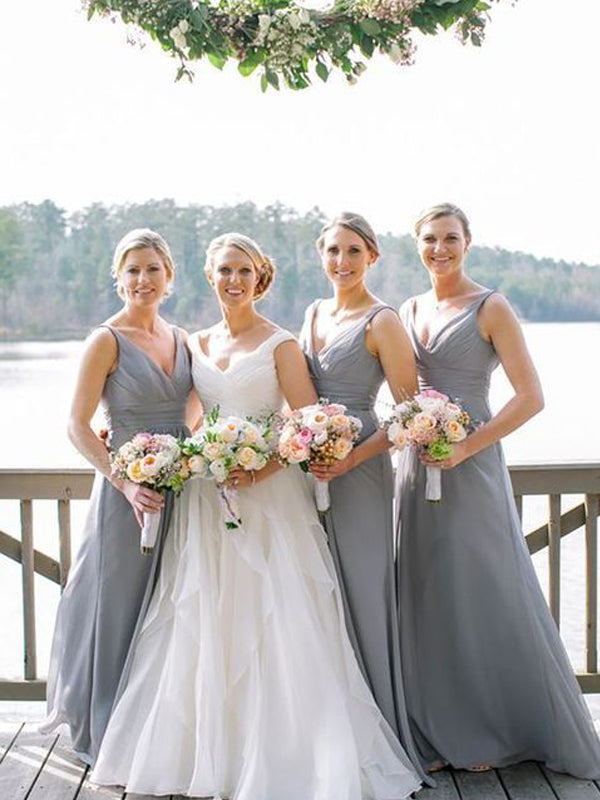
x=289 y=41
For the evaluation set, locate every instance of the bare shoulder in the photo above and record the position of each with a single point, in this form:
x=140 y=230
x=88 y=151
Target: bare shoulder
x=385 y=322
x=496 y=315
x=101 y=341
x=183 y=334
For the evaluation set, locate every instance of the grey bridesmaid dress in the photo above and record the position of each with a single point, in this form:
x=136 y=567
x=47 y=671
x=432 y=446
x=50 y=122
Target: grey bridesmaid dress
x=111 y=581
x=359 y=524
x=487 y=678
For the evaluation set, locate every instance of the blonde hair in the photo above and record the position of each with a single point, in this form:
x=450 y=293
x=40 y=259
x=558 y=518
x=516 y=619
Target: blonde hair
x=443 y=210
x=263 y=264
x=140 y=239
x=355 y=223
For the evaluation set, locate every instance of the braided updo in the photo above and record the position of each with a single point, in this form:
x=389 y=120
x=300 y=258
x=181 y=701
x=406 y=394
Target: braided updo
x=263 y=264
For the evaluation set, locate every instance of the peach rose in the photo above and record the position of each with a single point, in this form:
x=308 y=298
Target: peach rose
x=455 y=431
x=341 y=448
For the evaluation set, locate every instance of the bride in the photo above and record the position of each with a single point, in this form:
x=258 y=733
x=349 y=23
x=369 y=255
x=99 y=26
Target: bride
x=243 y=683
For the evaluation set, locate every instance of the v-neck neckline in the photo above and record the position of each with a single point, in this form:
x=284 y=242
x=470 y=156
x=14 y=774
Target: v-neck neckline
x=432 y=340
x=238 y=360
x=168 y=376
x=339 y=334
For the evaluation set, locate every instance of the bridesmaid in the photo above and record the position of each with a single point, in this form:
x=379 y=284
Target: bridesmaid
x=138 y=366
x=353 y=342
x=487 y=680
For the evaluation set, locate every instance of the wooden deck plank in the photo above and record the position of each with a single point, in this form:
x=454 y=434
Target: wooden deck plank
x=91 y=791
x=62 y=775
x=445 y=789
x=24 y=762
x=526 y=782
x=8 y=734
x=479 y=785
x=568 y=788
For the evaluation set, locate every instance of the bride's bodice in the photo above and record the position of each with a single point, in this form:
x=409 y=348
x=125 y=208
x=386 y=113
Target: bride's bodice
x=249 y=385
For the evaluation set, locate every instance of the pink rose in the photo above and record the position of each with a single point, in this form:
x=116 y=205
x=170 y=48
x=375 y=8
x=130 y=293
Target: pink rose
x=435 y=394
x=305 y=436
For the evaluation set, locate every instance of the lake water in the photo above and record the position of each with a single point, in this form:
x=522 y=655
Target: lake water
x=37 y=380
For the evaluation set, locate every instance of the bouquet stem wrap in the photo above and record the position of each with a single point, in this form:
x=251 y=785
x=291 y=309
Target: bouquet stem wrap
x=231 y=507
x=433 y=484
x=149 y=533
x=322 y=498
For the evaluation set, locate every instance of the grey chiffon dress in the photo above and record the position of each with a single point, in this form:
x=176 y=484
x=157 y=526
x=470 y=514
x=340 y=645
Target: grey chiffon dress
x=487 y=678
x=359 y=524
x=111 y=581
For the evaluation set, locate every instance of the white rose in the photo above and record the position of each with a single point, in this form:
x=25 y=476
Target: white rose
x=184 y=26
x=150 y=465
x=228 y=430
x=218 y=468
x=304 y=16
x=246 y=458
x=294 y=21
x=197 y=465
x=315 y=421
x=396 y=54
x=212 y=450
x=264 y=21
x=397 y=435
x=321 y=437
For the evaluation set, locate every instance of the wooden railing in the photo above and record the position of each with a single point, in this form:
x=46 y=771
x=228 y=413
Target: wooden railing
x=551 y=480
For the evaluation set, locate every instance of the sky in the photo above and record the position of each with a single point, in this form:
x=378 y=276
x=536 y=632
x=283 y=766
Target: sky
x=510 y=131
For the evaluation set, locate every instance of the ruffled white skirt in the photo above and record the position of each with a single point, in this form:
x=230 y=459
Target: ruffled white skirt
x=243 y=684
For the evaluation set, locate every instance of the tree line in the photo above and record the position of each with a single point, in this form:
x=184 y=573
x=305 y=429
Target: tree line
x=55 y=267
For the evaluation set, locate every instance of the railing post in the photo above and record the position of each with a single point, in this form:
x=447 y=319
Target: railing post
x=64 y=534
x=591 y=582
x=554 y=525
x=27 y=572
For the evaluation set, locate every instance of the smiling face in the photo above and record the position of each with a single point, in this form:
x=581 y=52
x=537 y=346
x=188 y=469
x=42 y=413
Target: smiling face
x=442 y=245
x=233 y=276
x=143 y=277
x=345 y=256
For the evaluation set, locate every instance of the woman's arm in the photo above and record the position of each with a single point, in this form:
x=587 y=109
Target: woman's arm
x=99 y=359
x=499 y=325
x=389 y=342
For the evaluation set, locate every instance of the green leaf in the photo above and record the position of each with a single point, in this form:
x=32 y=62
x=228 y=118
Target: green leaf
x=370 y=26
x=198 y=16
x=367 y=46
x=264 y=83
x=273 y=78
x=250 y=63
x=322 y=71
x=216 y=60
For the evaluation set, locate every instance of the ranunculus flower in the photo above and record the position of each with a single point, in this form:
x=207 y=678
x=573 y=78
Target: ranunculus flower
x=341 y=448
x=455 y=431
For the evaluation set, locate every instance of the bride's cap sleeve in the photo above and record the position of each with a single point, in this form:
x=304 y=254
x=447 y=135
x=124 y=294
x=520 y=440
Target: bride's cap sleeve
x=279 y=337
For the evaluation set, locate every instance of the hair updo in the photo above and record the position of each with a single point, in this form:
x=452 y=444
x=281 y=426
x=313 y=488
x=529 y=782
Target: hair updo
x=141 y=239
x=355 y=223
x=443 y=210
x=263 y=264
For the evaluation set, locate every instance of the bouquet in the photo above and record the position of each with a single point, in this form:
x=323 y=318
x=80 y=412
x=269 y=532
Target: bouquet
x=319 y=434
x=431 y=421
x=157 y=462
x=223 y=443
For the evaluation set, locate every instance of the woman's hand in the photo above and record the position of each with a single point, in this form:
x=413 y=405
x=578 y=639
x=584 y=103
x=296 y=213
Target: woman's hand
x=324 y=472
x=142 y=499
x=241 y=478
x=460 y=453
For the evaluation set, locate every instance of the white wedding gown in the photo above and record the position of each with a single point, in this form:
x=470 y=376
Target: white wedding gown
x=243 y=683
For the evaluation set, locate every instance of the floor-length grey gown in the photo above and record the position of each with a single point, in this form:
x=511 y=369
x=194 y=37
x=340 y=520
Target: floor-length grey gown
x=486 y=676
x=111 y=581
x=359 y=524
